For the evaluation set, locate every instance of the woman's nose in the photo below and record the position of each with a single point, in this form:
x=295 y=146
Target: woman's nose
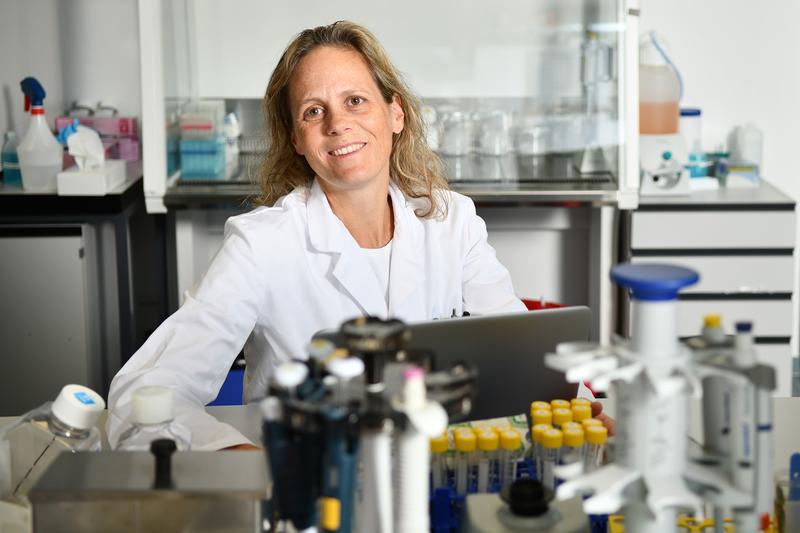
x=338 y=122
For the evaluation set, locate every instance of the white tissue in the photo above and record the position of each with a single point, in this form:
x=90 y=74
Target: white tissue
x=87 y=148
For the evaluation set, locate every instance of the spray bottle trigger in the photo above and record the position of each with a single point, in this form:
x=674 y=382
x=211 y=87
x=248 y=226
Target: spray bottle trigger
x=27 y=103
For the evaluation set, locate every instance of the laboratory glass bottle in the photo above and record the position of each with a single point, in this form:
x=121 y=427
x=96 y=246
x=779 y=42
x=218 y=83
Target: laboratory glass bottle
x=31 y=444
x=153 y=419
x=10 y=160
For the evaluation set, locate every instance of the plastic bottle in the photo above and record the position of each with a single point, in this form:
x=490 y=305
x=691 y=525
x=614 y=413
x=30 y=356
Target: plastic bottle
x=439 y=446
x=488 y=442
x=596 y=438
x=40 y=155
x=713 y=333
x=465 y=442
x=10 y=160
x=659 y=89
x=29 y=445
x=746 y=144
x=510 y=455
x=153 y=419
x=552 y=439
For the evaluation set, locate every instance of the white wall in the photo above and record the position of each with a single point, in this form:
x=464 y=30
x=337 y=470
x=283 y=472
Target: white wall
x=28 y=49
x=78 y=49
x=740 y=62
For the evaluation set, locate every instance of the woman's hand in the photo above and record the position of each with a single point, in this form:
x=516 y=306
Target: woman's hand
x=246 y=447
x=608 y=422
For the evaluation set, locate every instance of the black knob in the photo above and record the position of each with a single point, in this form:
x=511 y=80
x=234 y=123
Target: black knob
x=527 y=497
x=163 y=449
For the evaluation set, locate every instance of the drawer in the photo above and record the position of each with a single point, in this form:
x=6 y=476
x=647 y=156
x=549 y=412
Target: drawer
x=652 y=230
x=770 y=318
x=780 y=357
x=734 y=274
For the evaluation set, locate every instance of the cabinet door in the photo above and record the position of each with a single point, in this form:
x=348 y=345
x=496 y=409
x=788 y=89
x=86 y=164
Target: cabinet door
x=44 y=309
x=701 y=230
x=735 y=274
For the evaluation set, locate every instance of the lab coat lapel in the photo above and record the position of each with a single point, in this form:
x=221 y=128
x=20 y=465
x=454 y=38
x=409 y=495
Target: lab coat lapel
x=407 y=271
x=327 y=234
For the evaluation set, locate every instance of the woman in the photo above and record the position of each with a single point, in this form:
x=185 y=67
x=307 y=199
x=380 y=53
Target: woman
x=357 y=220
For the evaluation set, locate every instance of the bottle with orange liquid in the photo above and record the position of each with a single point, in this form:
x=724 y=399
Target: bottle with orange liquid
x=659 y=89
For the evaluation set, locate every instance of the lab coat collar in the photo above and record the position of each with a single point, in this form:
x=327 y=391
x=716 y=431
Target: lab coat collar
x=327 y=234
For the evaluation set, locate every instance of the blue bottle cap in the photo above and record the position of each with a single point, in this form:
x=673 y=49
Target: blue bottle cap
x=744 y=327
x=652 y=281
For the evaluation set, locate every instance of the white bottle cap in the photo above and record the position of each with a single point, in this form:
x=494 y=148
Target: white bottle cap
x=291 y=374
x=78 y=406
x=152 y=405
x=346 y=368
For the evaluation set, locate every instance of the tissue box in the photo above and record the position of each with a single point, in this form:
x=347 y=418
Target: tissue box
x=97 y=182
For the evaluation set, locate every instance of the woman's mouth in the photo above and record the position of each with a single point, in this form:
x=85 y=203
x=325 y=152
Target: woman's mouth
x=349 y=149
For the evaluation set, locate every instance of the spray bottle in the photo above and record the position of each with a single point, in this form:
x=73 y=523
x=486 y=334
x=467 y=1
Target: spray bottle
x=40 y=154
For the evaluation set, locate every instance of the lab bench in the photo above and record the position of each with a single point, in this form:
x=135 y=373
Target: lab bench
x=66 y=280
x=741 y=242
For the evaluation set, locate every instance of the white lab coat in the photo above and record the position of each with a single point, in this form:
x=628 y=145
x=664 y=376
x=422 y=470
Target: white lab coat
x=284 y=273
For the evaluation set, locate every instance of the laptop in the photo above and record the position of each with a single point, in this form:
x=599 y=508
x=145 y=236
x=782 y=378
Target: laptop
x=508 y=351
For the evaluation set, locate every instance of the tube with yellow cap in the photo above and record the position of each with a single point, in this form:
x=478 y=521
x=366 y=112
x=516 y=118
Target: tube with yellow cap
x=561 y=416
x=552 y=439
x=572 y=451
x=596 y=438
x=581 y=412
x=591 y=422
x=538 y=430
x=510 y=455
x=541 y=416
x=540 y=405
x=488 y=443
x=439 y=447
x=466 y=442
x=580 y=401
x=560 y=404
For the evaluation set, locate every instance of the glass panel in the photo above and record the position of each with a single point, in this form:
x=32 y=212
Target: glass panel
x=514 y=90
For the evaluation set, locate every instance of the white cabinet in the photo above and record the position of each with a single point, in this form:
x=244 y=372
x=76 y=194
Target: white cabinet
x=741 y=242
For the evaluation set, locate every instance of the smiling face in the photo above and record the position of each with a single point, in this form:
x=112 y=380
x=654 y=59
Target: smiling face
x=341 y=123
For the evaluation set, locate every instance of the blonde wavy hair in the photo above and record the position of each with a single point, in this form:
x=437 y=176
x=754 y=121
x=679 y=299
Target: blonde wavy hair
x=416 y=170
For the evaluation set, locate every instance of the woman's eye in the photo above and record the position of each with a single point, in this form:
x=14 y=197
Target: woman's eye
x=313 y=112
x=356 y=100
